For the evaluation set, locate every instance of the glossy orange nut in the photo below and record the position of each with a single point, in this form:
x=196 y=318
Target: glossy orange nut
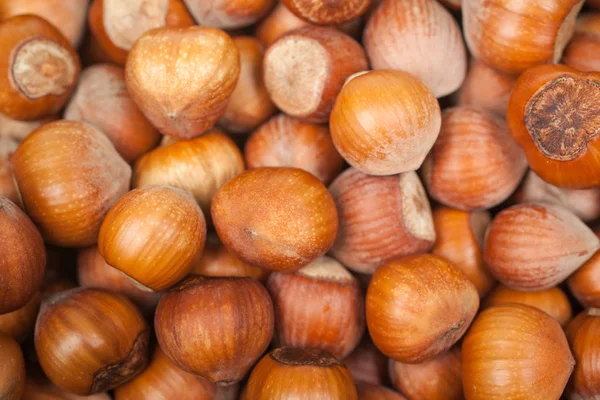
x=152 y=235
x=583 y=334
x=69 y=175
x=414 y=331
x=278 y=219
x=90 y=340
x=515 y=352
x=554 y=115
x=585 y=282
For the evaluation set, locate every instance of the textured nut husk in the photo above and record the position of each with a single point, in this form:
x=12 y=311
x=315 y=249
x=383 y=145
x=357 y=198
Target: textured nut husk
x=249 y=104
x=369 y=391
x=320 y=306
x=459 y=239
x=381 y=218
x=162 y=379
x=486 y=88
x=585 y=282
x=90 y=340
x=474 y=164
x=101 y=99
x=22 y=258
x=553 y=301
x=152 y=235
x=309 y=94
x=69 y=175
x=561 y=147
x=420 y=37
x=385 y=122
x=66 y=15
x=165 y=13
x=19 y=323
x=367 y=364
x=301 y=374
x=583 y=52
x=328 y=12
x=583 y=334
x=278 y=219
x=199 y=166
x=228 y=14
x=182 y=78
x=515 y=352
x=31 y=37
x=414 y=332
x=44 y=391
x=235 y=313
x=512 y=37
x=12 y=369
x=93 y=271
x=583 y=203
x=436 y=379
x=288 y=142
x=536 y=246
x=217 y=262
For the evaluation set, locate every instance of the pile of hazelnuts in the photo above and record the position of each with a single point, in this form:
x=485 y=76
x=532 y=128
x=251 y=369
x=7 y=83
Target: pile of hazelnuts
x=299 y=199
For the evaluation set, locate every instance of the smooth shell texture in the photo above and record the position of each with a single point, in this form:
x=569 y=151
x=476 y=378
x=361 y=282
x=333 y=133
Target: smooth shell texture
x=19 y=323
x=22 y=258
x=381 y=218
x=288 y=373
x=584 y=203
x=385 y=122
x=93 y=271
x=278 y=22
x=162 y=380
x=515 y=352
x=12 y=369
x=331 y=313
x=181 y=78
x=460 y=235
x=215 y=328
x=297 y=225
x=67 y=15
x=69 y=175
x=436 y=379
x=127 y=21
x=228 y=14
x=368 y=391
x=585 y=282
x=38 y=69
x=8 y=188
x=583 y=52
x=199 y=166
x=152 y=235
x=486 y=88
x=511 y=37
x=367 y=364
x=553 y=301
x=536 y=246
x=305 y=70
x=288 y=142
x=90 y=340
x=328 y=12
x=420 y=37
x=101 y=99
x=415 y=331
x=45 y=391
x=249 y=104
x=557 y=125
x=474 y=164
x=583 y=334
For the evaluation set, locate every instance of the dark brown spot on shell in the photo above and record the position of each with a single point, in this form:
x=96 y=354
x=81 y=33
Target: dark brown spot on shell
x=563 y=116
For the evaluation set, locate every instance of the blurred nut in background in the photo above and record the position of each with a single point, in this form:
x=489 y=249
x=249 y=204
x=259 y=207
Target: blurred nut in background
x=12 y=369
x=19 y=323
x=288 y=142
x=585 y=282
x=101 y=99
x=583 y=52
